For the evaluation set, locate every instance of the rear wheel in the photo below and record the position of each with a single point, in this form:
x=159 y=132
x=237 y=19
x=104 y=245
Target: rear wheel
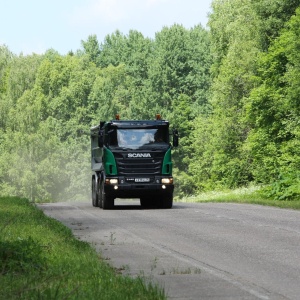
x=94 y=193
x=107 y=202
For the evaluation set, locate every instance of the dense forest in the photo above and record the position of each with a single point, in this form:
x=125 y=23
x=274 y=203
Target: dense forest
x=231 y=89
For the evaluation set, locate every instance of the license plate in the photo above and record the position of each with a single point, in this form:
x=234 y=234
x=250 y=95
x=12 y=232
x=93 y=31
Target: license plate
x=142 y=180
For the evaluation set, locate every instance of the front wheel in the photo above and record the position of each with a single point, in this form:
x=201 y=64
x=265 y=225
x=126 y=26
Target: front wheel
x=94 y=193
x=146 y=202
x=100 y=199
x=107 y=202
x=167 y=201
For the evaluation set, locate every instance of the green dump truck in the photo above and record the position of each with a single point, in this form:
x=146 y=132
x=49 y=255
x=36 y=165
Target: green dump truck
x=132 y=159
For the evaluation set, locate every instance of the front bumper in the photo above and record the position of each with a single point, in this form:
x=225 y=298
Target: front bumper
x=125 y=188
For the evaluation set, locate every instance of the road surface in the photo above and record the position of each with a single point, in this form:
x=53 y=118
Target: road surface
x=195 y=250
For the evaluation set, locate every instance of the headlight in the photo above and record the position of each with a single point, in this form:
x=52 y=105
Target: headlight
x=111 y=181
x=167 y=180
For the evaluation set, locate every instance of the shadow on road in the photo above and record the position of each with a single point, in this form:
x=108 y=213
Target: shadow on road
x=139 y=207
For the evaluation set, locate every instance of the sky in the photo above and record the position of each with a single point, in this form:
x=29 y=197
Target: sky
x=34 y=26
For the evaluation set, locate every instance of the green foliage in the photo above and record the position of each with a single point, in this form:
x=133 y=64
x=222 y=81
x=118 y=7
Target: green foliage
x=21 y=255
x=5 y=59
x=251 y=195
x=92 y=49
x=41 y=259
x=286 y=187
x=231 y=91
x=274 y=116
x=273 y=15
x=219 y=134
x=180 y=65
x=246 y=135
x=49 y=100
x=22 y=75
x=109 y=94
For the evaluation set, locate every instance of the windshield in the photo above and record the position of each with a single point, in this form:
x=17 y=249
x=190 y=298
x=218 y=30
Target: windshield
x=139 y=138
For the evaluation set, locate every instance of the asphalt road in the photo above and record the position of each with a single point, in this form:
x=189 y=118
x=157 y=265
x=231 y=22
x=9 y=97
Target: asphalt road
x=196 y=251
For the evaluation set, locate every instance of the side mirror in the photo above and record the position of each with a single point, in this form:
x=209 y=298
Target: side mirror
x=101 y=138
x=175 y=138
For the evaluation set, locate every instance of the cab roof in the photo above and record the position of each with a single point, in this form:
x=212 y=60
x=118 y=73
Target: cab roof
x=134 y=124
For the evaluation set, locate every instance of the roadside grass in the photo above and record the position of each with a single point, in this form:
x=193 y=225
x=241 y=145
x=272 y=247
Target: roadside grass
x=250 y=195
x=41 y=259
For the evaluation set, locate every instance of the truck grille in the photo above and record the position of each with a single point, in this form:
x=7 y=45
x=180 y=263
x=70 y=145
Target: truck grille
x=139 y=166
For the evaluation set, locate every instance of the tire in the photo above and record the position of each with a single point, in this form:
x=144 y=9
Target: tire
x=147 y=202
x=100 y=200
x=107 y=202
x=94 y=194
x=167 y=201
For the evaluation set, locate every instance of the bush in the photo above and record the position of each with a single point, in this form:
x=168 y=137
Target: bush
x=287 y=187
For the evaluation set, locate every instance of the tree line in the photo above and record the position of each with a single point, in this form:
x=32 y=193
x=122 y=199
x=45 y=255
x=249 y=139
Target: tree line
x=231 y=90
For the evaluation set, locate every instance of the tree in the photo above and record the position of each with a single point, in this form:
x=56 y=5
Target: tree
x=180 y=65
x=110 y=94
x=235 y=46
x=273 y=112
x=6 y=58
x=179 y=80
x=273 y=16
x=92 y=49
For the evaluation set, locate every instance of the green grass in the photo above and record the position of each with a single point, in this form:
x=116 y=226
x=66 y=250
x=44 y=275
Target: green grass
x=250 y=195
x=41 y=259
